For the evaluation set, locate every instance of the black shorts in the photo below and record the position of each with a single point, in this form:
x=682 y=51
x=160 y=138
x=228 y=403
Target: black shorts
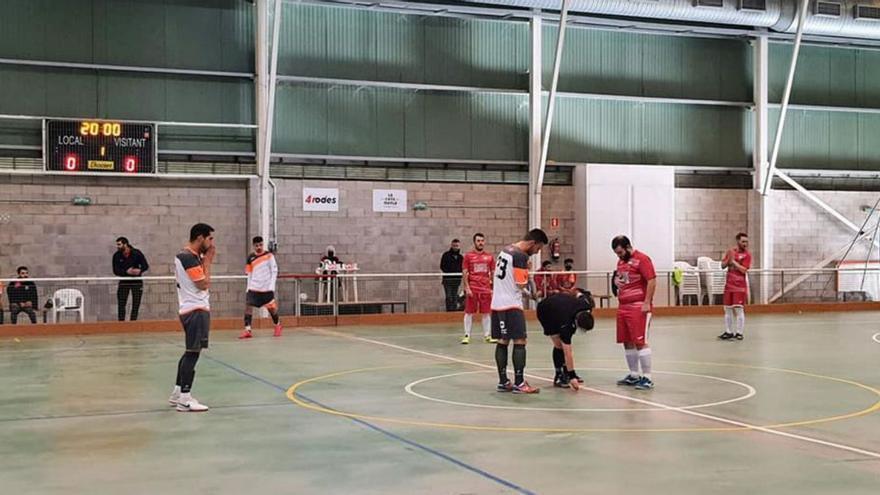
x=259 y=299
x=509 y=324
x=196 y=326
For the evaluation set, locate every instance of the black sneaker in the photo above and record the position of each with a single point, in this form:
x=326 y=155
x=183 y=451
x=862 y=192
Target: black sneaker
x=561 y=382
x=645 y=383
x=504 y=387
x=739 y=336
x=628 y=381
x=725 y=336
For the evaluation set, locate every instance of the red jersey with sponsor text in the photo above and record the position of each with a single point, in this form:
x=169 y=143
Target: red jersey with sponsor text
x=736 y=280
x=480 y=266
x=632 y=278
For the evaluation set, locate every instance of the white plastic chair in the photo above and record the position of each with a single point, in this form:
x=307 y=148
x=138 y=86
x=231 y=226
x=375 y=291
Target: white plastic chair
x=68 y=301
x=715 y=277
x=690 y=282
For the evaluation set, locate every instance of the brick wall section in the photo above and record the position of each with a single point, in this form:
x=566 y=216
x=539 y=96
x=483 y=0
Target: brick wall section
x=413 y=241
x=56 y=239
x=707 y=221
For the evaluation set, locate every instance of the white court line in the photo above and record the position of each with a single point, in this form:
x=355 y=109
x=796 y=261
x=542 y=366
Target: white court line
x=696 y=414
x=876 y=337
x=750 y=392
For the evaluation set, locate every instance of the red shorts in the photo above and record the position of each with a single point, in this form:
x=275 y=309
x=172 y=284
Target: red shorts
x=632 y=324
x=478 y=303
x=734 y=298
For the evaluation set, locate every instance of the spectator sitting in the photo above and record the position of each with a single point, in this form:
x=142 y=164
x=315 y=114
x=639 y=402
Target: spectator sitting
x=545 y=285
x=22 y=297
x=567 y=282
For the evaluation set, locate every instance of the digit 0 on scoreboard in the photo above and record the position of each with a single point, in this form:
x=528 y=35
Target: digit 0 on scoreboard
x=102 y=146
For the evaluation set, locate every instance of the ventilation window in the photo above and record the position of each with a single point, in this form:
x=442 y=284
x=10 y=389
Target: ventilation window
x=867 y=13
x=760 y=5
x=828 y=9
x=709 y=3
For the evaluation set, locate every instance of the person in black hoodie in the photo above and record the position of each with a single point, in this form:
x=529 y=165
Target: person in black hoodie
x=129 y=262
x=450 y=263
x=22 y=297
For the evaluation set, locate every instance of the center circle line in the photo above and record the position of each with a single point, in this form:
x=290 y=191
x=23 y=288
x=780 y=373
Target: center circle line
x=751 y=392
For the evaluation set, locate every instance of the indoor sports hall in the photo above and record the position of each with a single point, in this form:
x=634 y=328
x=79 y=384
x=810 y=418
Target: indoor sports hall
x=439 y=247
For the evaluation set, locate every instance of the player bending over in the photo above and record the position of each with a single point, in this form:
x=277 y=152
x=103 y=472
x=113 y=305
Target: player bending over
x=561 y=315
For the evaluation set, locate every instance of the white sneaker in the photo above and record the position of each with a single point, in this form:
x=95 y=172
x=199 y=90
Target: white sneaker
x=174 y=399
x=190 y=405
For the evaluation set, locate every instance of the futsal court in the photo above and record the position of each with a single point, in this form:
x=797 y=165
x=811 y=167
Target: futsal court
x=406 y=409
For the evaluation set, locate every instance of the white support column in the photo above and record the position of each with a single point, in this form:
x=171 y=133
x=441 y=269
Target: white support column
x=535 y=111
x=267 y=194
x=551 y=101
x=261 y=88
x=760 y=215
x=786 y=96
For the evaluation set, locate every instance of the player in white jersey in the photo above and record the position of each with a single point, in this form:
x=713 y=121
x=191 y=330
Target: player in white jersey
x=192 y=269
x=262 y=272
x=508 y=320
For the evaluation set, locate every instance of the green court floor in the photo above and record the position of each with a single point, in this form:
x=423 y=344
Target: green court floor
x=408 y=410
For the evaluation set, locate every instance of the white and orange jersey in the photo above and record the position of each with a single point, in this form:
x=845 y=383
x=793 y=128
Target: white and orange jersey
x=262 y=272
x=511 y=275
x=188 y=270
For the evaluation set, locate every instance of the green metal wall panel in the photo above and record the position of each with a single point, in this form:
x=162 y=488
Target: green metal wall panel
x=829 y=140
x=649 y=65
x=215 y=35
x=316 y=119
x=623 y=132
x=827 y=76
x=351 y=44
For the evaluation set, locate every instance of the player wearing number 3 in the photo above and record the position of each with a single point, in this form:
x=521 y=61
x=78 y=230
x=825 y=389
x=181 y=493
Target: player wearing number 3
x=508 y=320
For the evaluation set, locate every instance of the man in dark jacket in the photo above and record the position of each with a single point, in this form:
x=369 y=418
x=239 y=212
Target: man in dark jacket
x=451 y=263
x=22 y=297
x=129 y=262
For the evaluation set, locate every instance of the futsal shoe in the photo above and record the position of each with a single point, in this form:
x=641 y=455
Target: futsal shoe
x=246 y=334
x=561 y=382
x=645 y=383
x=525 y=388
x=174 y=398
x=504 y=387
x=466 y=340
x=190 y=404
x=628 y=381
x=277 y=330
x=490 y=340
x=725 y=336
x=739 y=336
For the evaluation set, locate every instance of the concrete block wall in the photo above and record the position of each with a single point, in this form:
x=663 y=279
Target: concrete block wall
x=413 y=241
x=54 y=238
x=707 y=221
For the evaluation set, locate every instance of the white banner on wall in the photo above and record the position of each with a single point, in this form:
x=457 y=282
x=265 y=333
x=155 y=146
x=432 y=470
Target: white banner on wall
x=317 y=199
x=389 y=200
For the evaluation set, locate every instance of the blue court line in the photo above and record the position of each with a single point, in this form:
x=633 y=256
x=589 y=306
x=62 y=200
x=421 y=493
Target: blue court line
x=394 y=436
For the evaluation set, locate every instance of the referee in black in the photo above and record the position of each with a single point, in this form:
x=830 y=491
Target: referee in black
x=561 y=314
x=129 y=262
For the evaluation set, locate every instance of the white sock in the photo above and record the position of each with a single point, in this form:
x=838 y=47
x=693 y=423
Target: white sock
x=632 y=360
x=468 y=323
x=645 y=360
x=184 y=398
x=487 y=325
x=176 y=390
x=728 y=319
x=247 y=328
x=740 y=319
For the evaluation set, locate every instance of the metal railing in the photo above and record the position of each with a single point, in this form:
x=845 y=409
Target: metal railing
x=334 y=295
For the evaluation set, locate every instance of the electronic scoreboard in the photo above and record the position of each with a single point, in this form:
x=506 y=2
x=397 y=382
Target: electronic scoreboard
x=102 y=146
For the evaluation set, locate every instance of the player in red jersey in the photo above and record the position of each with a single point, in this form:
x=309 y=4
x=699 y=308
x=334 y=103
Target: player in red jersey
x=736 y=291
x=476 y=272
x=636 y=282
